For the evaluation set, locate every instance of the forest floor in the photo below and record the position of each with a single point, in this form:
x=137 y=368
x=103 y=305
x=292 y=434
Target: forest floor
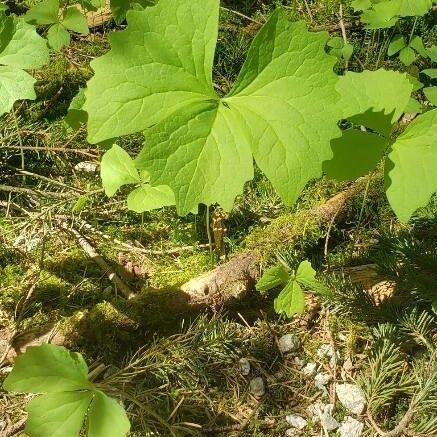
x=236 y=369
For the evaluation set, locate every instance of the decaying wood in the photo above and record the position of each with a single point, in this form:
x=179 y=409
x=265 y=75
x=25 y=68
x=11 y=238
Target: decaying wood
x=235 y=278
x=368 y=278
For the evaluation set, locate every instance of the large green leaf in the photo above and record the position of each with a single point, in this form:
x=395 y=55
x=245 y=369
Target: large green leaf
x=355 y=154
x=26 y=49
x=160 y=64
x=202 y=153
x=45 y=12
x=379 y=91
x=119 y=8
x=196 y=143
x=75 y=21
x=107 y=418
x=58 y=414
x=411 y=169
x=48 y=369
x=20 y=48
x=286 y=94
x=375 y=100
x=273 y=277
x=15 y=84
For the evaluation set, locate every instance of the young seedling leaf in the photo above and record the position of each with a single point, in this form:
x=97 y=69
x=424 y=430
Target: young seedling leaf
x=415 y=82
x=306 y=277
x=432 y=53
x=48 y=369
x=291 y=300
x=272 y=278
x=431 y=94
x=347 y=51
x=75 y=21
x=107 y=418
x=407 y=56
x=430 y=72
x=396 y=45
x=336 y=42
x=147 y=198
x=58 y=414
x=58 y=37
x=7 y=30
x=411 y=177
x=46 y=12
x=117 y=169
x=417 y=44
x=196 y=143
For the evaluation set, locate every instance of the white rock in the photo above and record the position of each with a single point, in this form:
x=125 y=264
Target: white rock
x=325 y=351
x=351 y=397
x=296 y=421
x=289 y=343
x=86 y=166
x=298 y=362
x=322 y=413
x=257 y=387
x=310 y=369
x=244 y=366
x=320 y=380
x=328 y=351
x=292 y=432
x=350 y=427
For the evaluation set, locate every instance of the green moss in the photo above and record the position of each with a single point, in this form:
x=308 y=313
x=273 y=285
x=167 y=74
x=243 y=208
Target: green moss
x=172 y=272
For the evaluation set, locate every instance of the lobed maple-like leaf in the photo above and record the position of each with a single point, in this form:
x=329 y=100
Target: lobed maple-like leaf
x=157 y=78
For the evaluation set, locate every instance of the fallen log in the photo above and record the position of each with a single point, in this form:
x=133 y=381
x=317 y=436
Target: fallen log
x=225 y=286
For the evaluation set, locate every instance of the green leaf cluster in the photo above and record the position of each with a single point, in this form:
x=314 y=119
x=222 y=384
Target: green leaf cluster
x=282 y=112
x=340 y=48
x=407 y=52
x=380 y=14
x=291 y=299
x=60 y=21
x=21 y=48
x=201 y=145
x=68 y=396
x=118 y=169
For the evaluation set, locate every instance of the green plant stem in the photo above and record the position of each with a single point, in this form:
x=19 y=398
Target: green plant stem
x=413 y=29
x=208 y=233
